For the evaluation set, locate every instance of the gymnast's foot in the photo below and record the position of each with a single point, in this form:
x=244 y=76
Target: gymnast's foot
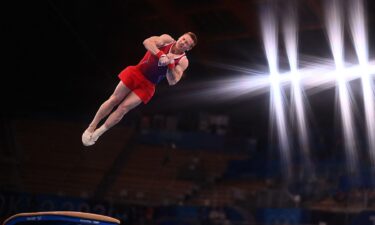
x=87 y=139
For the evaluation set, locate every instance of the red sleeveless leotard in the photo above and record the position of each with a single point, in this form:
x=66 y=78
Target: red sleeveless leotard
x=143 y=77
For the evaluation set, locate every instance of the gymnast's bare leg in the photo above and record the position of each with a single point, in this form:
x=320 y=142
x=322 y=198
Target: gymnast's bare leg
x=124 y=99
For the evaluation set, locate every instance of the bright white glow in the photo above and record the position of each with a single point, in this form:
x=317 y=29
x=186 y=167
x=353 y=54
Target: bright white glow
x=313 y=78
x=290 y=36
x=291 y=43
x=358 y=30
x=270 y=41
x=315 y=75
x=334 y=24
x=335 y=30
x=359 y=34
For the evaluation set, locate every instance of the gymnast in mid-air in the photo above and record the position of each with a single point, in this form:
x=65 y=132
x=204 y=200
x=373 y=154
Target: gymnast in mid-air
x=165 y=57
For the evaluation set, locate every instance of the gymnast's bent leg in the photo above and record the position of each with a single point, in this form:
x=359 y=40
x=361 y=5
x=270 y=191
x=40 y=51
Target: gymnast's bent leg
x=131 y=101
x=118 y=95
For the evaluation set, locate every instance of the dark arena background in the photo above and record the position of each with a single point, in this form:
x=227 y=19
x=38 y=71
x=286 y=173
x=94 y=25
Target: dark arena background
x=272 y=122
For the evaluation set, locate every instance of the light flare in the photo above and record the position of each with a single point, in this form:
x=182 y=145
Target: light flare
x=270 y=41
x=334 y=23
x=359 y=35
x=291 y=45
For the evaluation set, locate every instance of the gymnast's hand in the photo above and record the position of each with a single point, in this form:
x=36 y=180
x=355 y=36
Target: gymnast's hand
x=163 y=60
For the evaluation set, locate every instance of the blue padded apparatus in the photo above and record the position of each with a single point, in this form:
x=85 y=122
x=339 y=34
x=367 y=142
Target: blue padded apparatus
x=60 y=218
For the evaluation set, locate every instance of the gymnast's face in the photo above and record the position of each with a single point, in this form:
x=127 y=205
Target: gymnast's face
x=185 y=43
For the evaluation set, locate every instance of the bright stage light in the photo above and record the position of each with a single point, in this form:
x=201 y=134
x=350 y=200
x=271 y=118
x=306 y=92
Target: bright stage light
x=270 y=41
x=291 y=45
x=359 y=35
x=312 y=76
x=318 y=75
x=334 y=24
